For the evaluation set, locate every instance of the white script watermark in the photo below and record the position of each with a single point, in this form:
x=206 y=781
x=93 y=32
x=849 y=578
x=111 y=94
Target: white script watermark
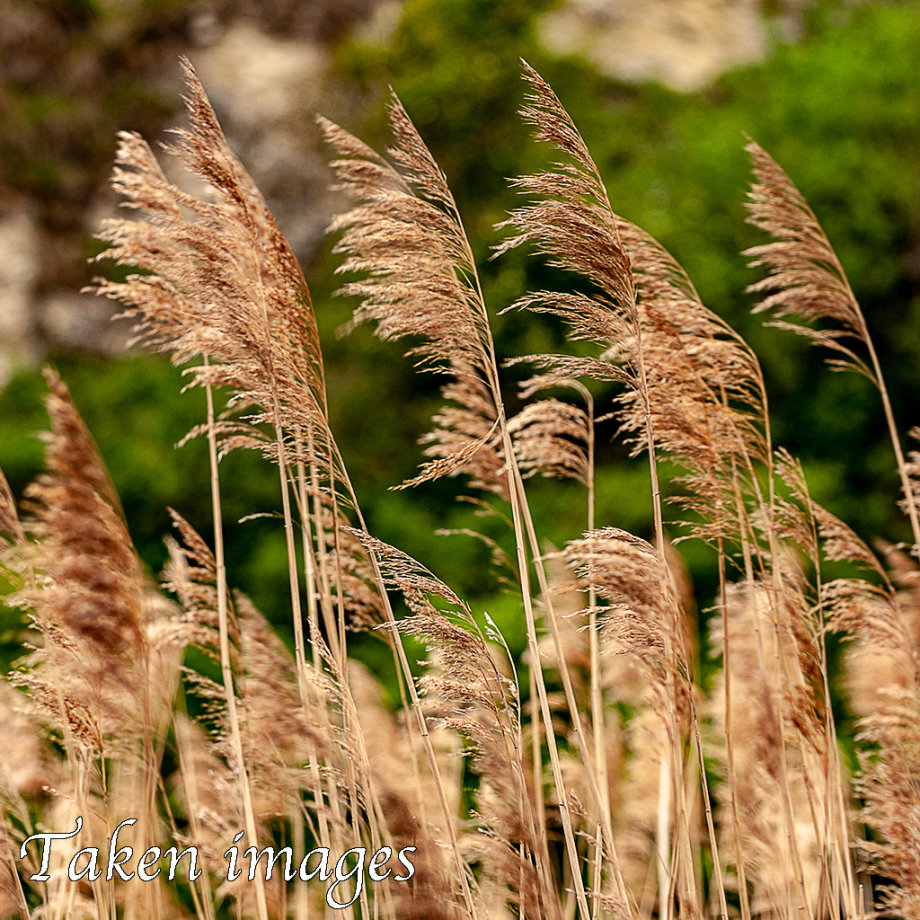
x=87 y=864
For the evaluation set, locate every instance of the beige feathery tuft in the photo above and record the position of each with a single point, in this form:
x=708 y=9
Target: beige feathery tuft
x=219 y=279
x=808 y=283
x=89 y=602
x=889 y=786
x=405 y=236
x=642 y=615
x=466 y=689
x=805 y=278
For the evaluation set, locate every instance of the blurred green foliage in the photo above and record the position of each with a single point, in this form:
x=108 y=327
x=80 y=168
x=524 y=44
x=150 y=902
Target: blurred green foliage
x=839 y=109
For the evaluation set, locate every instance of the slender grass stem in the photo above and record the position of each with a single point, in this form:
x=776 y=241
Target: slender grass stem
x=226 y=669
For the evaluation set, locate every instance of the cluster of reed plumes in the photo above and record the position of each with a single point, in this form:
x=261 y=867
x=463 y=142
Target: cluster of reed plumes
x=594 y=778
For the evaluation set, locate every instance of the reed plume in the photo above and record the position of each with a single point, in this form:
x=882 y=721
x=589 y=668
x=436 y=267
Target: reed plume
x=405 y=234
x=88 y=601
x=805 y=280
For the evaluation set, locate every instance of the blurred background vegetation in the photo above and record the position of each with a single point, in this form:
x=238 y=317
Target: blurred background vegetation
x=664 y=93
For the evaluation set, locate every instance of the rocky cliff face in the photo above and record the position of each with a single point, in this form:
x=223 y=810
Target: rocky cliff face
x=684 y=44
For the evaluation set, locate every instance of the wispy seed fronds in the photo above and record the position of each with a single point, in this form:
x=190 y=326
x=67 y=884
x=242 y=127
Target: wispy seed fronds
x=191 y=574
x=550 y=439
x=572 y=221
x=82 y=543
x=809 y=283
x=704 y=404
x=88 y=595
x=217 y=276
x=9 y=518
x=405 y=236
x=642 y=616
x=805 y=279
x=467 y=690
x=912 y=468
x=889 y=784
x=408 y=576
x=693 y=388
x=405 y=233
